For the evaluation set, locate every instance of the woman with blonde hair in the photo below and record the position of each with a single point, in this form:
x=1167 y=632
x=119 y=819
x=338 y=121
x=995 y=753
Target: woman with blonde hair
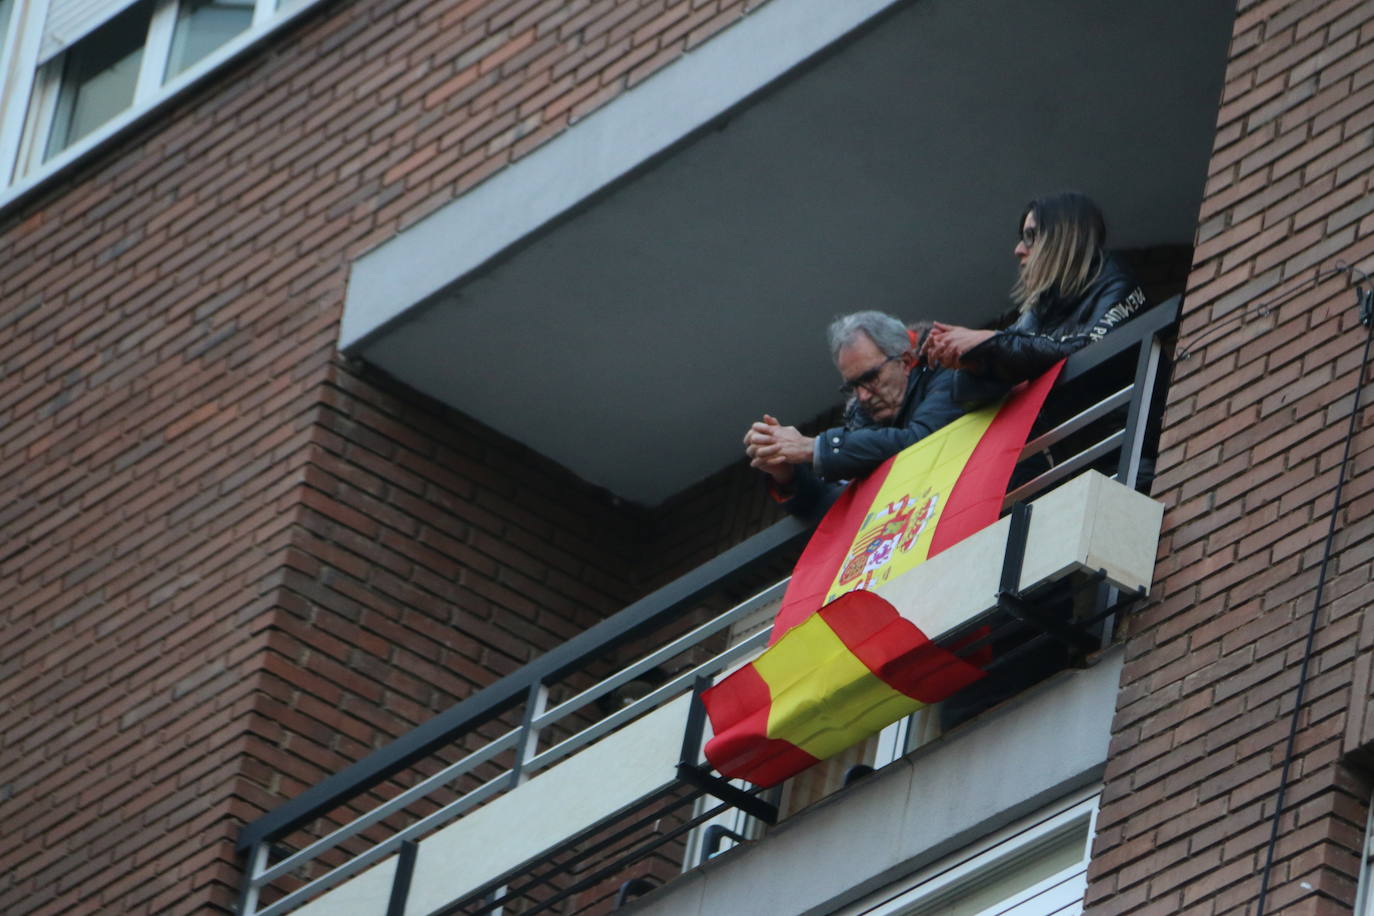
x=1070 y=292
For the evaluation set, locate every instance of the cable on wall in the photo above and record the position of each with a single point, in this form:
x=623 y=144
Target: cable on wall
x=1364 y=299
x=1259 y=310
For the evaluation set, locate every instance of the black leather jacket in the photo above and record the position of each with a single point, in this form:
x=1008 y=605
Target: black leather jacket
x=1042 y=336
x=855 y=449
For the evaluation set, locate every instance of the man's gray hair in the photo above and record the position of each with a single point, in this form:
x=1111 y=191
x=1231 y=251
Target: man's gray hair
x=886 y=332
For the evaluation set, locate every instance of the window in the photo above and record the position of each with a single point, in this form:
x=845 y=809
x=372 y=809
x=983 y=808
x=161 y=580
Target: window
x=204 y=25
x=99 y=77
x=1364 y=898
x=1036 y=867
x=125 y=62
x=73 y=71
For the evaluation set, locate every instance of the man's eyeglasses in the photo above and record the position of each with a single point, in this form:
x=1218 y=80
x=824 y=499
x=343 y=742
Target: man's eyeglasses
x=865 y=380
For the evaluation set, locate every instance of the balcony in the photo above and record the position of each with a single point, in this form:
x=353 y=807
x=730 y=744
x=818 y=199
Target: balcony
x=814 y=157
x=575 y=783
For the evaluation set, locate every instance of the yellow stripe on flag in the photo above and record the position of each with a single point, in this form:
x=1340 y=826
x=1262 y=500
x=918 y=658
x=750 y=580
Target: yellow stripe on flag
x=895 y=534
x=824 y=698
x=815 y=691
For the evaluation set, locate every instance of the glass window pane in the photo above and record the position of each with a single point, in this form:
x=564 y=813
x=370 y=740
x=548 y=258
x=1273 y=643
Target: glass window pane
x=204 y=25
x=99 y=75
x=1009 y=877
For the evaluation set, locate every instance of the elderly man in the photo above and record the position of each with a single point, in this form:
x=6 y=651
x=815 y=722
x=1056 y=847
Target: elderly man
x=894 y=400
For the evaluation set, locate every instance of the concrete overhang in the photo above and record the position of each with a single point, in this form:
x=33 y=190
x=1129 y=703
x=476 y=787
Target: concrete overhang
x=627 y=298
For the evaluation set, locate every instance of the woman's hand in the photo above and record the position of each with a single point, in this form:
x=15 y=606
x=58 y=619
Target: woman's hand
x=946 y=344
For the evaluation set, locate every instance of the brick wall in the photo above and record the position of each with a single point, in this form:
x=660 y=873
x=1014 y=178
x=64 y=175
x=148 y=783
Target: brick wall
x=231 y=563
x=1251 y=452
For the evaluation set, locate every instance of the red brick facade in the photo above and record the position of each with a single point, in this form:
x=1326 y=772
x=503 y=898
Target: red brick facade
x=1253 y=435
x=231 y=564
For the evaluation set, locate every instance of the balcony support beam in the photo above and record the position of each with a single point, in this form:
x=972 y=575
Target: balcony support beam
x=1011 y=601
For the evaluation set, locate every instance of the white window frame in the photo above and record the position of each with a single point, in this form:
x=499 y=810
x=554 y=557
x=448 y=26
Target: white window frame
x=31 y=91
x=1364 y=896
x=18 y=73
x=47 y=88
x=928 y=885
x=157 y=50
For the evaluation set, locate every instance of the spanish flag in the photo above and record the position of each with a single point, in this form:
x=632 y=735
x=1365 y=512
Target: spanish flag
x=843 y=663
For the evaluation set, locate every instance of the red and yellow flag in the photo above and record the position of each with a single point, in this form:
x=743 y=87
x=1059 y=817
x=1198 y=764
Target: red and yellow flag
x=843 y=663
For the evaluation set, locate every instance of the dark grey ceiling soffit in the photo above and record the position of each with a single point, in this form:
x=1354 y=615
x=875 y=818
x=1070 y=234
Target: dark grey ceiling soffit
x=630 y=331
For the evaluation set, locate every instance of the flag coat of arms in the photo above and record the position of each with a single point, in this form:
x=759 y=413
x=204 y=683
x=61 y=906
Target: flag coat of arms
x=842 y=662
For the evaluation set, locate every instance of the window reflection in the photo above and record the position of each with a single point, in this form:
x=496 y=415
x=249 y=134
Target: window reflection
x=204 y=25
x=99 y=76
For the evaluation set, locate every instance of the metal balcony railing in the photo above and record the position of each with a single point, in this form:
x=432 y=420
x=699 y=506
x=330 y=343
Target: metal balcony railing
x=454 y=766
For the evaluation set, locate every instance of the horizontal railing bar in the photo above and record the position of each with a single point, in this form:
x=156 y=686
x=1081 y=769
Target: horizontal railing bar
x=415 y=792
x=458 y=806
x=676 y=647
x=497 y=698
x=648 y=702
x=1065 y=468
x=1077 y=422
x=1133 y=333
x=644 y=704
x=376 y=853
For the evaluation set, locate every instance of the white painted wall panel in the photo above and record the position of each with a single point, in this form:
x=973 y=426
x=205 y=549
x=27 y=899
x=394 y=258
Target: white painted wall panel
x=365 y=895
x=562 y=801
x=600 y=781
x=1089 y=523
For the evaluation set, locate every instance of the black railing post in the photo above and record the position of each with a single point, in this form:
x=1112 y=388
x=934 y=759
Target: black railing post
x=1138 y=413
x=696 y=724
x=1014 y=557
x=400 y=882
x=699 y=775
x=1009 y=597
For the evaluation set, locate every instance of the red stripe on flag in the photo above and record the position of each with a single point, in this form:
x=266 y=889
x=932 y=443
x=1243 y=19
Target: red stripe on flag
x=829 y=545
x=895 y=649
x=741 y=749
x=976 y=499
x=890 y=646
